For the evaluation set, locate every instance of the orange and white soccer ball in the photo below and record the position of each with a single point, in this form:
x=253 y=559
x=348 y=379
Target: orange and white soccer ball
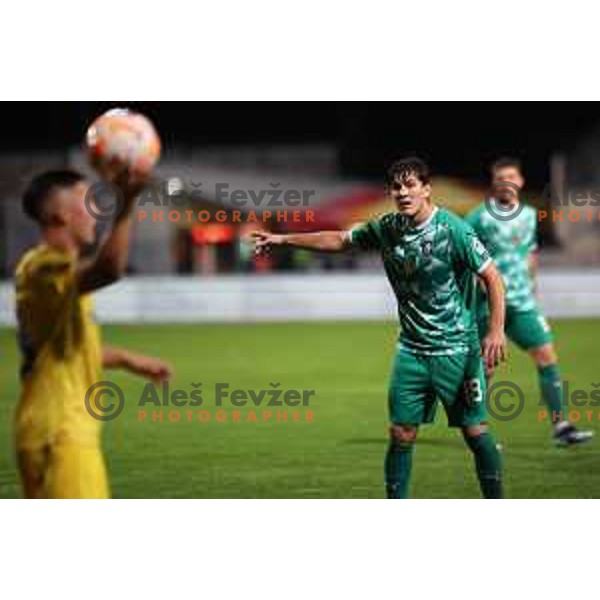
x=121 y=138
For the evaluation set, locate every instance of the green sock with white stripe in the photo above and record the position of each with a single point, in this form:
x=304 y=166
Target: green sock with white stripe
x=552 y=392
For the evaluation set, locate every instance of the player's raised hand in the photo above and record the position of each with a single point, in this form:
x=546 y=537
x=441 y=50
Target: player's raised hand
x=152 y=368
x=131 y=183
x=263 y=241
x=493 y=350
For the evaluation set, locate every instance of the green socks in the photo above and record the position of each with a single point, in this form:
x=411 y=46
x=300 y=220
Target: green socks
x=488 y=464
x=552 y=393
x=398 y=464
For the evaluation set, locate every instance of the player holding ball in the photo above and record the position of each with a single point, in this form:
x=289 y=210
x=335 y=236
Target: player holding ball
x=57 y=440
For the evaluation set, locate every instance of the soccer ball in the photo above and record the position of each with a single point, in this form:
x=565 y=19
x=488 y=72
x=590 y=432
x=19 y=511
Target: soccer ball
x=121 y=138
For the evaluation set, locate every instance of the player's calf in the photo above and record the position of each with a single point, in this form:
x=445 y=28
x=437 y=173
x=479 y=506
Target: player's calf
x=546 y=360
x=398 y=460
x=550 y=382
x=488 y=464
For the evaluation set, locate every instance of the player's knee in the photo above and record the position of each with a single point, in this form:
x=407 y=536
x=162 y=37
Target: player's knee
x=544 y=355
x=473 y=431
x=403 y=434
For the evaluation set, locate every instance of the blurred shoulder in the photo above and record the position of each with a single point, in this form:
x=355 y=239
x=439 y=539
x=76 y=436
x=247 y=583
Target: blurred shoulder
x=474 y=216
x=42 y=262
x=530 y=212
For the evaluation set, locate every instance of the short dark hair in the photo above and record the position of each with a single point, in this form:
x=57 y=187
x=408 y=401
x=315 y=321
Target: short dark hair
x=42 y=186
x=507 y=161
x=411 y=165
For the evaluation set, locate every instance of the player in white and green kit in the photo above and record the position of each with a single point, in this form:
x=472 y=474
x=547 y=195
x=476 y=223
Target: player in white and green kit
x=432 y=259
x=508 y=229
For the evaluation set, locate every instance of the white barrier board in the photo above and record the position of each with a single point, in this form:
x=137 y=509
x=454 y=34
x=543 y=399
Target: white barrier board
x=334 y=296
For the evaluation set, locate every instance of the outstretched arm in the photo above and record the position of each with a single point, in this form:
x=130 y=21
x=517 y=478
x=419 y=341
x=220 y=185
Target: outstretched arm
x=493 y=346
x=138 y=364
x=324 y=241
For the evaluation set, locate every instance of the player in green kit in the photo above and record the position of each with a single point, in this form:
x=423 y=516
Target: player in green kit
x=507 y=227
x=431 y=258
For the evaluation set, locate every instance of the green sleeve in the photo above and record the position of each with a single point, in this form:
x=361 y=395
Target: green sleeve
x=472 y=218
x=470 y=253
x=367 y=236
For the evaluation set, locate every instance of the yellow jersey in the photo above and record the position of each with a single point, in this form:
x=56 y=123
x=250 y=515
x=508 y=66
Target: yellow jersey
x=61 y=353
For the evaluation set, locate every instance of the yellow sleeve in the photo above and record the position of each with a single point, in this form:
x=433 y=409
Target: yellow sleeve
x=47 y=304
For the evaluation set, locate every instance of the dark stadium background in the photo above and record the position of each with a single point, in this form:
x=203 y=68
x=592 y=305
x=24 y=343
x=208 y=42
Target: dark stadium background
x=458 y=138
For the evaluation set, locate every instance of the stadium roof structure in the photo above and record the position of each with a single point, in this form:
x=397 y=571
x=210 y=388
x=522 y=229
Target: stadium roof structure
x=336 y=202
x=364 y=202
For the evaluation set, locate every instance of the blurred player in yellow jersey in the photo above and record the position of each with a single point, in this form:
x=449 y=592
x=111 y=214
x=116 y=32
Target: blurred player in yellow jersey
x=58 y=442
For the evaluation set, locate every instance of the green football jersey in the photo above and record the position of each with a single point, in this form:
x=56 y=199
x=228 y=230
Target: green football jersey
x=431 y=268
x=510 y=244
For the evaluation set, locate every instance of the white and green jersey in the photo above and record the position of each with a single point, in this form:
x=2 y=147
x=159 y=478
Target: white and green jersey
x=510 y=244
x=431 y=268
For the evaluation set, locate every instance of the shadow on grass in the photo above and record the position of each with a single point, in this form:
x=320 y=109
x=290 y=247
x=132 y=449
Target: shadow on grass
x=424 y=441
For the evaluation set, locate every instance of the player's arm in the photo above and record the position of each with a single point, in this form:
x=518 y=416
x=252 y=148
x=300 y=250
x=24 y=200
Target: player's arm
x=473 y=255
x=533 y=257
x=367 y=236
x=324 y=241
x=493 y=346
x=472 y=218
x=533 y=269
x=110 y=262
x=138 y=364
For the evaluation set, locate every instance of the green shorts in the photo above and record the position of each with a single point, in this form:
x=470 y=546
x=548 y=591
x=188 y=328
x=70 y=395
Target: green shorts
x=528 y=329
x=418 y=381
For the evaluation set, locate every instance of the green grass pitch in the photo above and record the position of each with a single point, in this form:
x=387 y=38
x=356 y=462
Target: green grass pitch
x=340 y=454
